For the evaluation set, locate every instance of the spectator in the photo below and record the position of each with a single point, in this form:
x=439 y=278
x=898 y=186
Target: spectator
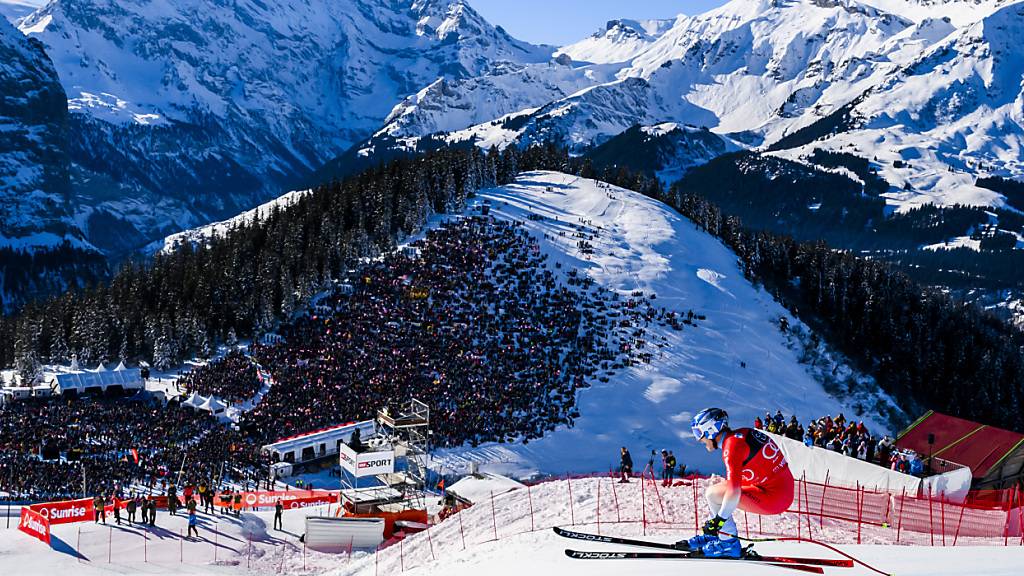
x=670 y=468
x=100 y=506
x=625 y=465
x=130 y=509
x=193 y=522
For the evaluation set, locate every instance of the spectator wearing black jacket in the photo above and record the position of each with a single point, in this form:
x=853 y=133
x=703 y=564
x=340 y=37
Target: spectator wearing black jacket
x=625 y=465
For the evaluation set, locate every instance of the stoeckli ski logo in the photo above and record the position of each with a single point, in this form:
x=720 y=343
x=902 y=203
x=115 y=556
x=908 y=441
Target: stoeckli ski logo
x=588 y=537
x=599 y=555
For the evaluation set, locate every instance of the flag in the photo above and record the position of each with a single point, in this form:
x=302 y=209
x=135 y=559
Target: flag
x=135 y=455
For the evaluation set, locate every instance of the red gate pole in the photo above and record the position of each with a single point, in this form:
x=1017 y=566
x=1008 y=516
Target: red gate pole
x=181 y=546
x=494 y=519
x=598 y=506
x=376 y=561
x=807 y=506
x=860 y=509
x=1006 y=525
x=821 y=509
x=899 y=525
x=931 y=524
x=110 y=543
x=615 y=497
x=746 y=524
x=942 y=516
x=696 y=520
x=643 y=505
x=430 y=541
x=351 y=539
x=145 y=546
x=529 y=496
x=401 y=553
x=462 y=532
x=572 y=513
x=760 y=525
x=799 y=521
x=963 y=507
x=657 y=493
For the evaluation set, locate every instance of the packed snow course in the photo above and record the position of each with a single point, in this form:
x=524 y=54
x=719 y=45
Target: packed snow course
x=507 y=533
x=639 y=244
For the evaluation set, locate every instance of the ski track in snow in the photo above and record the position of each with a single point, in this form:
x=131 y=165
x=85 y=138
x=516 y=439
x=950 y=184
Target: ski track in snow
x=644 y=245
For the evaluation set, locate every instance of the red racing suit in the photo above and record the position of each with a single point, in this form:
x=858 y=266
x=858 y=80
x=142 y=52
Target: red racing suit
x=756 y=467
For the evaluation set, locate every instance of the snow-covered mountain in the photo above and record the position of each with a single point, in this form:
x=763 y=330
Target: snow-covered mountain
x=13 y=10
x=34 y=183
x=618 y=41
x=931 y=83
x=185 y=111
x=953 y=112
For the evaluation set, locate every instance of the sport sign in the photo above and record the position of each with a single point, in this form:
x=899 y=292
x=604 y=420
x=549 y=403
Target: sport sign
x=366 y=463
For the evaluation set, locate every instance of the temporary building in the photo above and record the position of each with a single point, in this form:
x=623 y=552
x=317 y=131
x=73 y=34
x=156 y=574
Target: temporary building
x=995 y=456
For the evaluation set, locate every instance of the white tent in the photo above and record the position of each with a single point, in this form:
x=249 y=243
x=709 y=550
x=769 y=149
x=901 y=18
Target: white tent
x=120 y=366
x=128 y=379
x=101 y=368
x=193 y=401
x=213 y=405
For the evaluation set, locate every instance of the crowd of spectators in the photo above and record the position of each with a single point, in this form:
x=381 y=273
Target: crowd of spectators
x=232 y=378
x=472 y=319
x=847 y=437
x=53 y=449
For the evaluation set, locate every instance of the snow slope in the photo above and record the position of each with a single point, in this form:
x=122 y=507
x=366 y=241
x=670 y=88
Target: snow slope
x=212 y=230
x=465 y=544
x=643 y=245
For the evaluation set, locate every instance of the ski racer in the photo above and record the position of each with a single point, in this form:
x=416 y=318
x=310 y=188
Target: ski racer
x=758 y=480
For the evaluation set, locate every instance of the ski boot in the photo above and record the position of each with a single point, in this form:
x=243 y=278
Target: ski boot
x=696 y=543
x=718 y=548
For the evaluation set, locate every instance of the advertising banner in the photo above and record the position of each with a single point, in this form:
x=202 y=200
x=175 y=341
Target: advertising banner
x=67 y=511
x=34 y=524
x=366 y=463
x=290 y=499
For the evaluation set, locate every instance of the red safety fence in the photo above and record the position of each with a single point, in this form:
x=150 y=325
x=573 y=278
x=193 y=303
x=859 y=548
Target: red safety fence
x=820 y=512
x=593 y=503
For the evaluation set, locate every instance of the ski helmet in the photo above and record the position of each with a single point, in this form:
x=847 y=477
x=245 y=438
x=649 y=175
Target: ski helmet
x=709 y=422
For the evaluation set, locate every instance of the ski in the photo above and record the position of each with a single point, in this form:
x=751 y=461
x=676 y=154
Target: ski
x=834 y=563
x=582 y=555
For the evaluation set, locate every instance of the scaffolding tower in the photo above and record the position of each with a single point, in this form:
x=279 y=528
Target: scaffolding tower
x=409 y=432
